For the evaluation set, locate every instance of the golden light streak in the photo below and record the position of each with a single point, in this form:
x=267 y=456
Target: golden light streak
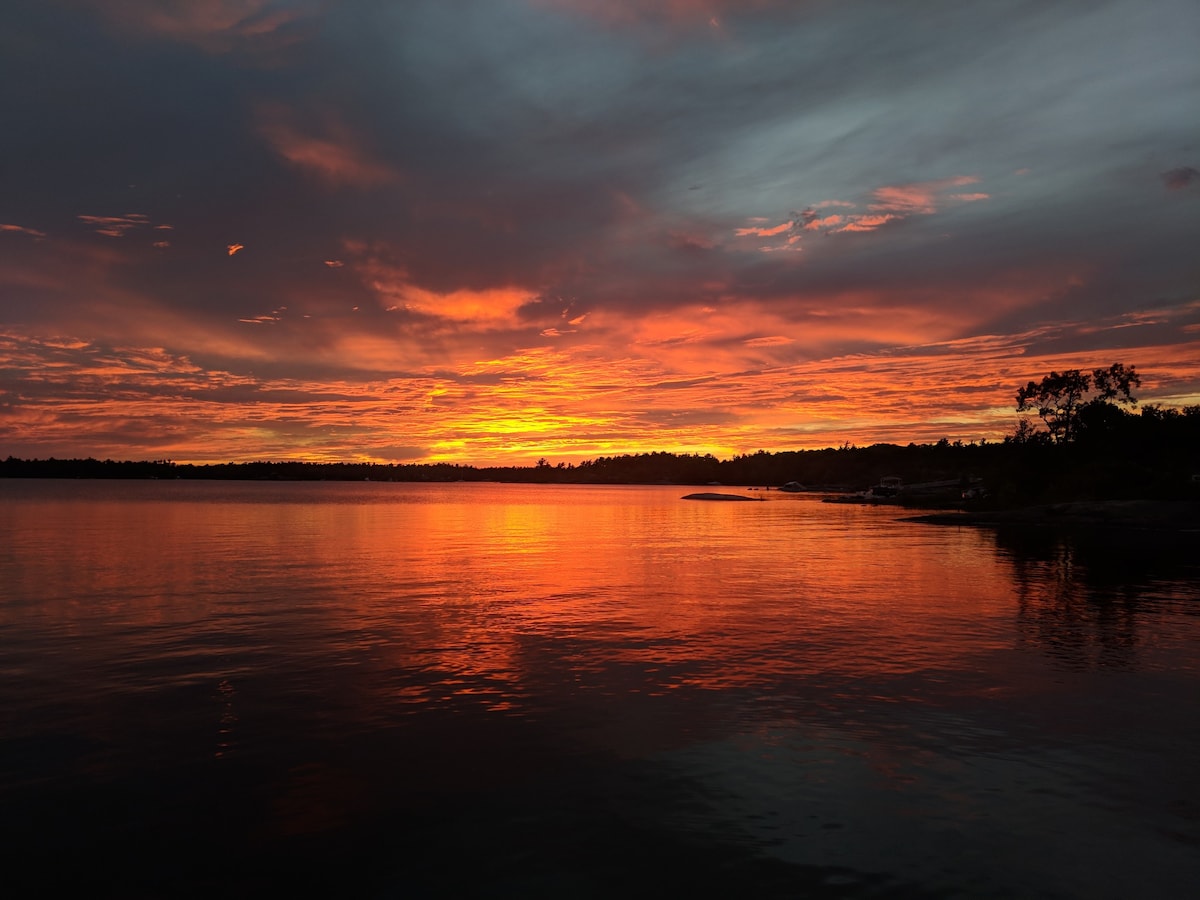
x=726 y=378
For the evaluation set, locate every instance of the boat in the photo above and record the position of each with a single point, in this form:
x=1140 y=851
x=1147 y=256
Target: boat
x=887 y=491
x=889 y=486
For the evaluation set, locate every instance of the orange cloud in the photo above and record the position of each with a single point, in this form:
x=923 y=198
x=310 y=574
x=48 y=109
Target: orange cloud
x=233 y=249
x=892 y=203
x=20 y=229
x=867 y=223
x=273 y=316
x=331 y=153
x=563 y=402
x=818 y=224
x=918 y=198
x=464 y=376
x=467 y=309
x=764 y=232
x=115 y=226
x=491 y=306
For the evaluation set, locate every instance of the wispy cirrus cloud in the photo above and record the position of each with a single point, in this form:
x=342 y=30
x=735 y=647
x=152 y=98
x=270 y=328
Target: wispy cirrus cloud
x=273 y=316
x=887 y=205
x=765 y=231
x=115 y=226
x=21 y=229
x=921 y=198
x=866 y=222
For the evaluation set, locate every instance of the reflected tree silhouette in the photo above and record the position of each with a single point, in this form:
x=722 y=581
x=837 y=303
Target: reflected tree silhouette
x=1082 y=595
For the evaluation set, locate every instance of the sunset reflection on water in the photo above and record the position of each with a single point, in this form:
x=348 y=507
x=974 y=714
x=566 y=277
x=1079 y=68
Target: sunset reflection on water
x=819 y=684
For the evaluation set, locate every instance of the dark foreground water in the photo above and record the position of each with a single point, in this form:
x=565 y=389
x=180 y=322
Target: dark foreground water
x=229 y=690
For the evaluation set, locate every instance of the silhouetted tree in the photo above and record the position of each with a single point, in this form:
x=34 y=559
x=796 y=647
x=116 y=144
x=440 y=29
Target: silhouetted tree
x=1059 y=398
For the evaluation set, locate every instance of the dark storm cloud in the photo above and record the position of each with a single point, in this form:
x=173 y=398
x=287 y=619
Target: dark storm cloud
x=497 y=143
x=110 y=125
x=561 y=168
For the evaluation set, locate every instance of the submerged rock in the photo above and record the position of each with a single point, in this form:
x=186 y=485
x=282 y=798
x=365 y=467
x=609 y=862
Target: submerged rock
x=712 y=496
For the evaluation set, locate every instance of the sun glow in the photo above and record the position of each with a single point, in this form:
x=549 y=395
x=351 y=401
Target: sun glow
x=516 y=234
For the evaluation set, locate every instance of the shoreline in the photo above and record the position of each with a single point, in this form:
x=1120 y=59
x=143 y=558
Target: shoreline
x=1158 y=515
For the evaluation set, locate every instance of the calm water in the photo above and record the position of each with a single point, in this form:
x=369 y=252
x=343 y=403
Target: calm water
x=494 y=690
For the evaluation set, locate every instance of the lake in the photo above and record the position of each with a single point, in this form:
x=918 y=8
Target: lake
x=396 y=690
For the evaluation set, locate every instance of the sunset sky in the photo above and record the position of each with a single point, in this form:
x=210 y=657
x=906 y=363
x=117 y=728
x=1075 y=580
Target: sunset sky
x=489 y=231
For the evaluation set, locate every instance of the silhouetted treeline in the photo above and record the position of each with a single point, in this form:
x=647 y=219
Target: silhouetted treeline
x=847 y=467
x=1151 y=454
x=1115 y=455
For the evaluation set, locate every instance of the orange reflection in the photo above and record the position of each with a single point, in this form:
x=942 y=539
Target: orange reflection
x=385 y=602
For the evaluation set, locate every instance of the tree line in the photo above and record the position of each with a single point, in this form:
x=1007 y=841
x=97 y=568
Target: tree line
x=1090 y=444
